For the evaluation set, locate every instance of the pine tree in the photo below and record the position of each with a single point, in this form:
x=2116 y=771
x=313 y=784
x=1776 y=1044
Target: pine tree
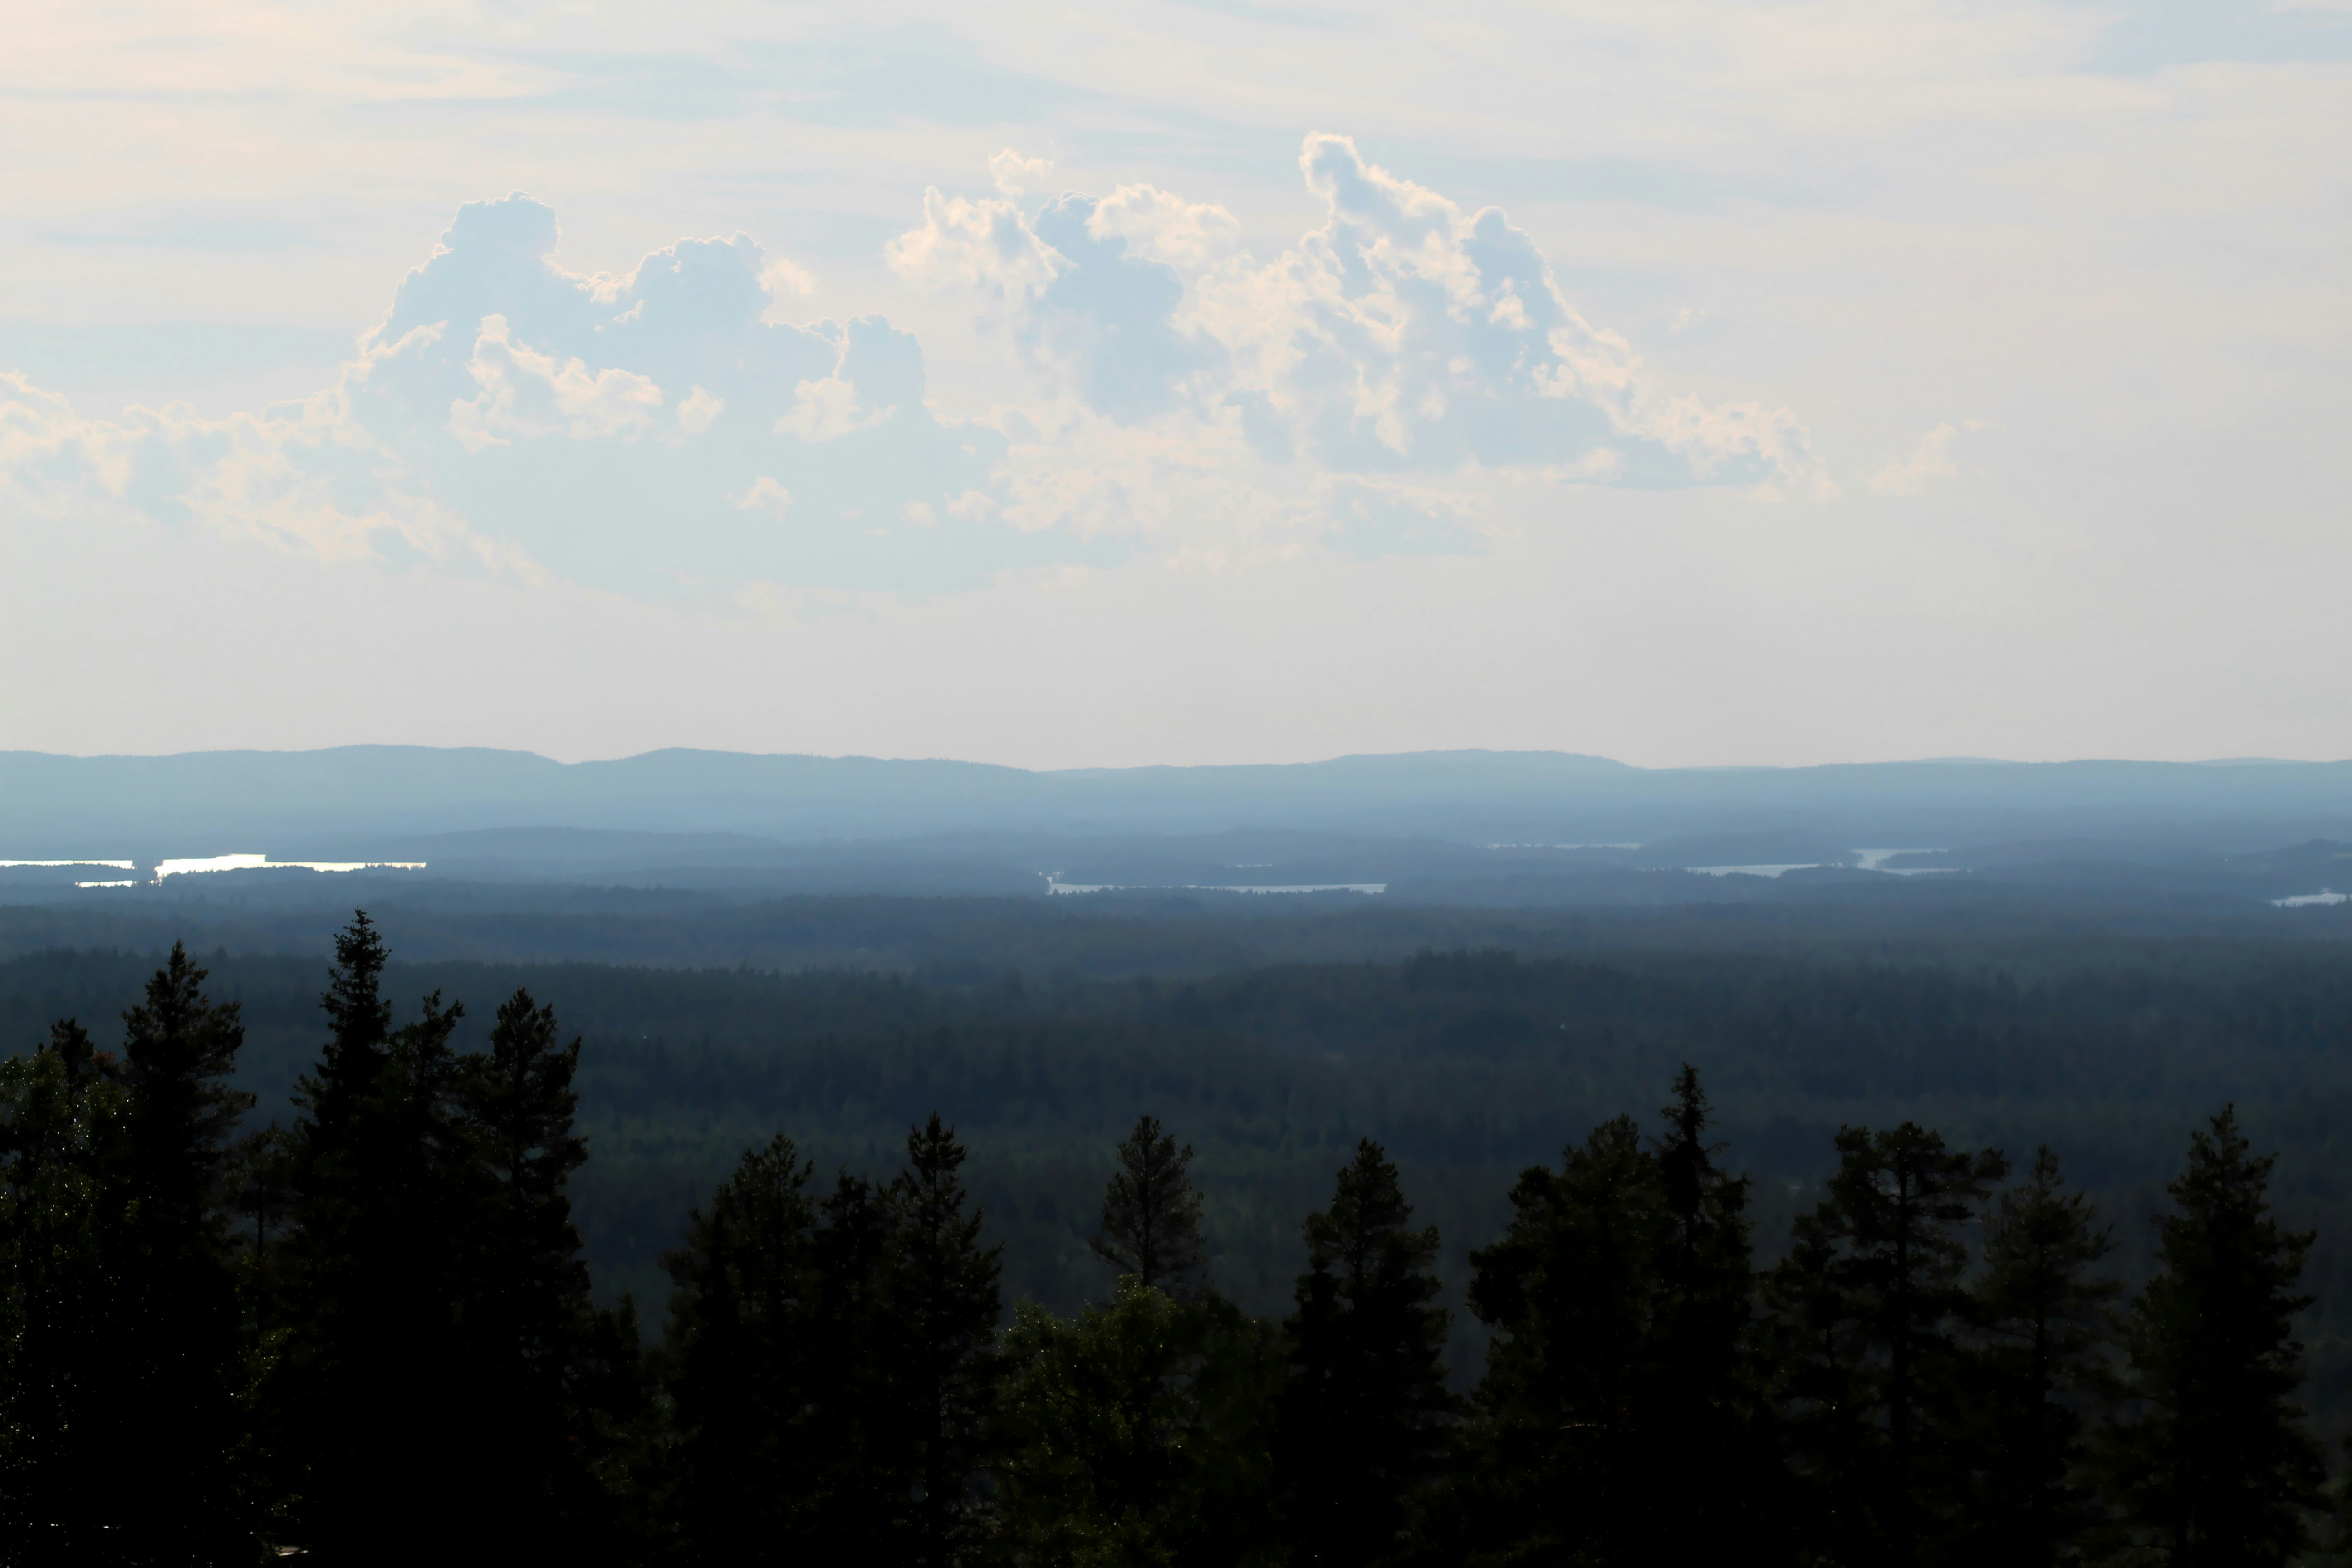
x=1872 y=1288
x=63 y=1204
x=385 y=1179
x=180 y=1344
x=944 y=1299
x=1152 y=1215
x=2216 y=1467
x=1365 y=1414
x=2048 y=1320
x=740 y=1358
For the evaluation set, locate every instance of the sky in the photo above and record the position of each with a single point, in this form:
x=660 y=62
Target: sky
x=1150 y=383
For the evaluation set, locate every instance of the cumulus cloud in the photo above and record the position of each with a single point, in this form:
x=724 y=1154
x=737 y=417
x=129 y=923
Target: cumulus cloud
x=1159 y=227
x=1392 y=382
x=987 y=246
x=528 y=394
x=607 y=428
x=1015 y=175
x=1404 y=334
x=781 y=277
x=765 y=495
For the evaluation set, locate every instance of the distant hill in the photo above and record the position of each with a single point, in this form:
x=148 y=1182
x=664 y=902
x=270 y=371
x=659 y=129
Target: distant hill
x=272 y=801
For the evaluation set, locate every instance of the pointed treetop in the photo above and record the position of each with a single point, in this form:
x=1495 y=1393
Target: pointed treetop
x=1151 y=1213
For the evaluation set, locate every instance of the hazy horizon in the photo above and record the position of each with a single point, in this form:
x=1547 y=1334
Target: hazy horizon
x=1242 y=763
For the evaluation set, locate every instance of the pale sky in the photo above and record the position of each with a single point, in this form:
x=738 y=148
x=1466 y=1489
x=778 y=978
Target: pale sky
x=1684 y=383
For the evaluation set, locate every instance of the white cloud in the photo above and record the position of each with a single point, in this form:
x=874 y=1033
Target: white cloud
x=1363 y=390
x=1930 y=460
x=986 y=245
x=781 y=277
x=698 y=410
x=1404 y=334
x=525 y=394
x=1166 y=229
x=765 y=495
x=827 y=410
x=1015 y=175
x=527 y=419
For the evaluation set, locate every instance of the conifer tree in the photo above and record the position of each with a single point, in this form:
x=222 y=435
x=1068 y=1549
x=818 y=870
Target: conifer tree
x=1873 y=1283
x=530 y=1329
x=742 y=1364
x=864 y=1475
x=1705 y=1411
x=1151 y=1214
x=179 y=1344
x=2048 y=1319
x=945 y=1301
x=264 y=1195
x=63 y=1124
x=1136 y=1432
x=384 y=1181
x=2216 y=1467
x=1573 y=1291
x=1364 y=1413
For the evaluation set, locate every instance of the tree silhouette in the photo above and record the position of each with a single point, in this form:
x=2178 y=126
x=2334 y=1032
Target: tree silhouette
x=741 y=1360
x=384 y=1180
x=1365 y=1412
x=179 y=1341
x=63 y=1123
x=2215 y=1466
x=1151 y=1214
x=2048 y=1320
x=945 y=1301
x=1873 y=1290
x=1573 y=1291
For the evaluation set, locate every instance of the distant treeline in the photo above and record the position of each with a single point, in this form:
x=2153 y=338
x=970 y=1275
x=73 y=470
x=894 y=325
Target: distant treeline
x=368 y=1336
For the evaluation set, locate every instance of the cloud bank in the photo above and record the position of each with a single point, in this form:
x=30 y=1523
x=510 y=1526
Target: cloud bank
x=1397 y=381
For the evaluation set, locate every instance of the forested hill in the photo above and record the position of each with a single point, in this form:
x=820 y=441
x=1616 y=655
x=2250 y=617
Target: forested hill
x=277 y=802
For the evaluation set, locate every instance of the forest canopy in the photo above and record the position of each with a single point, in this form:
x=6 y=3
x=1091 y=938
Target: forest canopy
x=1347 y=1263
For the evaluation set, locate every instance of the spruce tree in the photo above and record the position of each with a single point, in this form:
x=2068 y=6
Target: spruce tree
x=741 y=1363
x=529 y=1327
x=63 y=1208
x=179 y=1345
x=264 y=1197
x=2216 y=1467
x=1706 y=1412
x=2047 y=1318
x=944 y=1298
x=384 y=1180
x=1152 y=1215
x=1874 y=1288
x=1365 y=1414
x=1573 y=1292
x=864 y=1474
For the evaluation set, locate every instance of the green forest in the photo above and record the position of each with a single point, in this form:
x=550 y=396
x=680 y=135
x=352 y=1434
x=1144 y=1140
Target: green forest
x=1824 y=1257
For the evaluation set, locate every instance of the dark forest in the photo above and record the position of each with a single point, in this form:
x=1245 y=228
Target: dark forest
x=1465 y=1258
